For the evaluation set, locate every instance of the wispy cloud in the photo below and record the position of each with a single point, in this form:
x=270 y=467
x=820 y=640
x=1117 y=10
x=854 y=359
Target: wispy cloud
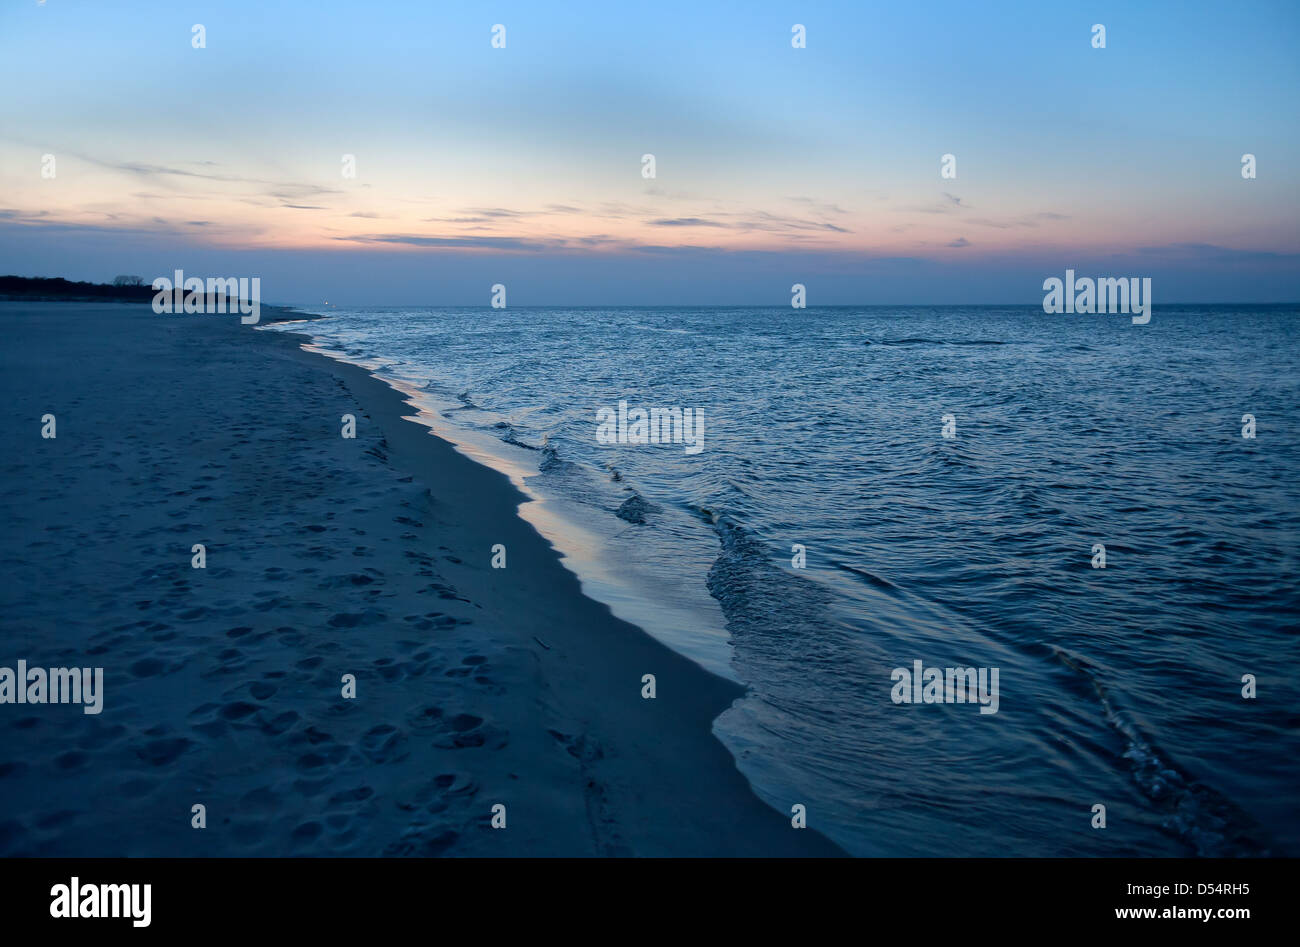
x=820 y=207
x=469 y=242
x=1012 y=223
x=1209 y=253
x=948 y=204
x=161 y=174
x=686 y=222
x=761 y=221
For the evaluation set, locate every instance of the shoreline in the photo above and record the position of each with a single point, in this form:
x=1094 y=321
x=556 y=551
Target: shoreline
x=550 y=721
x=593 y=548
x=705 y=695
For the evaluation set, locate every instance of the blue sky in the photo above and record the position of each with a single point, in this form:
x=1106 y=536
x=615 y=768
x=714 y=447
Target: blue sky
x=774 y=165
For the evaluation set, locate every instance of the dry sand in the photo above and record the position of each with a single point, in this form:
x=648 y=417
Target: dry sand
x=325 y=557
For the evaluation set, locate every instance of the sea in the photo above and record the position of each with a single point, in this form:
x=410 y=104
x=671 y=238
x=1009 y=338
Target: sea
x=1106 y=513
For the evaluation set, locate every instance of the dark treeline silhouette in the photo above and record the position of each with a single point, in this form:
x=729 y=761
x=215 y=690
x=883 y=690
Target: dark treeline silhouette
x=122 y=289
x=36 y=287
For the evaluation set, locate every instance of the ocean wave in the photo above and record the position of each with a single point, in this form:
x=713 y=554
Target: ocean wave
x=510 y=437
x=635 y=508
x=1207 y=821
x=933 y=342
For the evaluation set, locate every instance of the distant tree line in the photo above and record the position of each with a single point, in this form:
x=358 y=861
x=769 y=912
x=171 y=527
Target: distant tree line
x=126 y=288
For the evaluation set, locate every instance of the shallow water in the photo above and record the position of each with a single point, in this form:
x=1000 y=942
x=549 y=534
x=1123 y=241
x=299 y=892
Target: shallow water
x=822 y=427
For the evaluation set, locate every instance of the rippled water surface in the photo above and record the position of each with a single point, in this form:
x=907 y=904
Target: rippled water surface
x=822 y=427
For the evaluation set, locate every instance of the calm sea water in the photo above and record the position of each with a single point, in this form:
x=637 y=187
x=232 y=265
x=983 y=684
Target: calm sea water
x=1119 y=686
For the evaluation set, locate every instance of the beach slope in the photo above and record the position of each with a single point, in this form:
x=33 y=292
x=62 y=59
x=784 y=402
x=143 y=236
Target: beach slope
x=326 y=560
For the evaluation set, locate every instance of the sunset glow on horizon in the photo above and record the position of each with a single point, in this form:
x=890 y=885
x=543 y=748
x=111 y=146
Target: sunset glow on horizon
x=463 y=149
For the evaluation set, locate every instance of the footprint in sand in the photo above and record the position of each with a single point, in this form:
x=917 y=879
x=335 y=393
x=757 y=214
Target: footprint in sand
x=352 y=797
x=237 y=710
x=306 y=833
x=426 y=718
x=353 y=619
x=422 y=842
x=278 y=724
x=164 y=751
x=147 y=667
x=467 y=731
x=73 y=759
x=475 y=664
x=385 y=744
x=312 y=763
x=387 y=669
x=12 y=834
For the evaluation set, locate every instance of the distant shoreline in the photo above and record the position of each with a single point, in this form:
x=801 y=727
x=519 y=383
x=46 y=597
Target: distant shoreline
x=58 y=289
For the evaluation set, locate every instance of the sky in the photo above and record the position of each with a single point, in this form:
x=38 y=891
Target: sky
x=773 y=165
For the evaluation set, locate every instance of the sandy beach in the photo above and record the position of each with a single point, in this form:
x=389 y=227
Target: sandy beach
x=325 y=557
